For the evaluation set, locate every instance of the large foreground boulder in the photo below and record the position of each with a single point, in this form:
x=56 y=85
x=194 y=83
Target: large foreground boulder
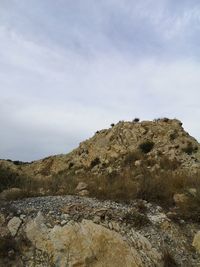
x=87 y=244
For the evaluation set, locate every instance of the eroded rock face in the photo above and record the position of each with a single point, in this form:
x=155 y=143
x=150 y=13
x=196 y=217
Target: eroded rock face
x=83 y=244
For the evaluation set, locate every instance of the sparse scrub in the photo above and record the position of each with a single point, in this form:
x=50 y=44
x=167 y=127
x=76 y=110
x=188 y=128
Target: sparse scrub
x=7 y=244
x=168 y=259
x=95 y=162
x=146 y=146
x=136 y=120
x=189 y=149
x=9 y=179
x=136 y=218
x=131 y=157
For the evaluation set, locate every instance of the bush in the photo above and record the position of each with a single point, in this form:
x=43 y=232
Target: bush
x=146 y=146
x=9 y=178
x=189 y=149
x=132 y=157
x=7 y=244
x=95 y=162
x=136 y=120
x=168 y=259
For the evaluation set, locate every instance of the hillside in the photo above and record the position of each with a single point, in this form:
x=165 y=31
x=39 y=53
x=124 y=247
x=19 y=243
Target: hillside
x=126 y=151
x=109 y=148
x=128 y=196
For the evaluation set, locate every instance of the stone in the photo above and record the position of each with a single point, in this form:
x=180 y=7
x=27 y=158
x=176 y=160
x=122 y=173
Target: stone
x=22 y=217
x=83 y=193
x=192 y=191
x=63 y=222
x=196 y=241
x=84 y=244
x=180 y=199
x=138 y=163
x=81 y=186
x=14 y=225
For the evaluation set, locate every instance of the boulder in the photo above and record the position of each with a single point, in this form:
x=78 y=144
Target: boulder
x=14 y=225
x=196 y=242
x=81 y=186
x=85 y=244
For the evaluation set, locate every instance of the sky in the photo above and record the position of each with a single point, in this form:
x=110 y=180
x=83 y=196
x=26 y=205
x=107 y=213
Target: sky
x=69 y=68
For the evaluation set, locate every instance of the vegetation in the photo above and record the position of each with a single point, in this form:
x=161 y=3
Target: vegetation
x=9 y=179
x=189 y=149
x=146 y=146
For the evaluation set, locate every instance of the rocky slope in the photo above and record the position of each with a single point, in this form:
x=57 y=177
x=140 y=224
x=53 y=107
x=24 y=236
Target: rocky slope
x=108 y=148
x=78 y=231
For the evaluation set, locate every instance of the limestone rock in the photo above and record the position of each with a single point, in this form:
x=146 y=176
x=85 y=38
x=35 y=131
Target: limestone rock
x=14 y=225
x=83 y=244
x=83 y=193
x=196 y=241
x=81 y=186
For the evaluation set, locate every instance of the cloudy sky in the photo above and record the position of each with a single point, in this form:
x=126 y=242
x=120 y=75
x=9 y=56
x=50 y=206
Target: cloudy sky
x=69 y=68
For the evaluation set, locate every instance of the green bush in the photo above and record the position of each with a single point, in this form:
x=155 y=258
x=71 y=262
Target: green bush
x=146 y=146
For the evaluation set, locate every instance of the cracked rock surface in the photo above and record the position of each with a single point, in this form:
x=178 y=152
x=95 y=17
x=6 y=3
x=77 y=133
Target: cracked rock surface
x=81 y=231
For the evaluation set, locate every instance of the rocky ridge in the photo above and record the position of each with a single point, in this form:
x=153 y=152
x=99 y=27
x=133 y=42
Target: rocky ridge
x=107 y=149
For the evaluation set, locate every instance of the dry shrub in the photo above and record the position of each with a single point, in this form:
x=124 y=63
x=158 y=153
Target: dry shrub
x=117 y=187
x=168 y=259
x=146 y=146
x=131 y=157
x=136 y=218
x=7 y=244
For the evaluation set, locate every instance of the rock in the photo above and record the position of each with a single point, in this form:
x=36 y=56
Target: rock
x=196 y=242
x=81 y=186
x=138 y=163
x=14 y=225
x=22 y=217
x=83 y=244
x=83 y=193
x=180 y=199
x=63 y=222
x=192 y=191
x=109 y=170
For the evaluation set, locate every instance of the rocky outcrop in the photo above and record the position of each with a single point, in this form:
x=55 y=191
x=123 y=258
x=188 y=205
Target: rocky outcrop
x=75 y=231
x=84 y=244
x=108 y=148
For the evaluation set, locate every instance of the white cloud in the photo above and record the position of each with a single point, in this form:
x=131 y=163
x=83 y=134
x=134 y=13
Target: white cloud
x=52 y=97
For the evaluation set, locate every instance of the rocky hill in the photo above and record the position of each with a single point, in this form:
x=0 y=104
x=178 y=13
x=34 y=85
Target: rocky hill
x=125 y=149
x=128 y=196
x=108 y=148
